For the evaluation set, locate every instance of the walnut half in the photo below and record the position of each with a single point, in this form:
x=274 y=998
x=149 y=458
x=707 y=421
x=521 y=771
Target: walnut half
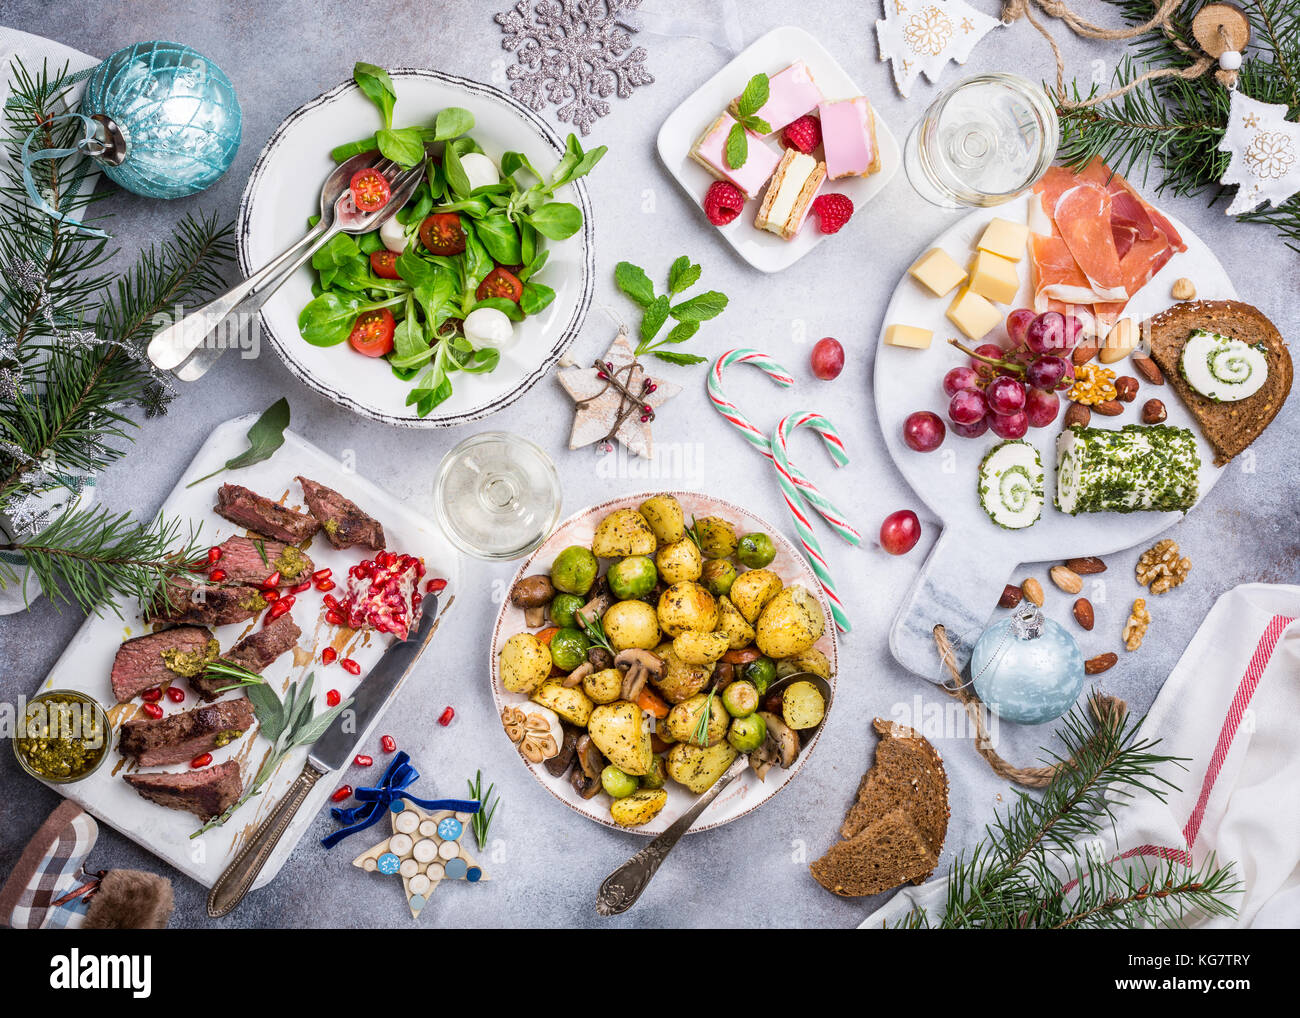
x=1160 y=568
x=1136 y=626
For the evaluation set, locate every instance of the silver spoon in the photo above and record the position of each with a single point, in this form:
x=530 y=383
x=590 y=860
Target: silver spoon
x=623 y=887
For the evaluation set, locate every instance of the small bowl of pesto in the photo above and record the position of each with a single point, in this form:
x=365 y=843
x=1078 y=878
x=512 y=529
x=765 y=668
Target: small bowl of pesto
x=62 y=736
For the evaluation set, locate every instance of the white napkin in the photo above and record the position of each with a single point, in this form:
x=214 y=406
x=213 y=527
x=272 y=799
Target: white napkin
x=1230 y=706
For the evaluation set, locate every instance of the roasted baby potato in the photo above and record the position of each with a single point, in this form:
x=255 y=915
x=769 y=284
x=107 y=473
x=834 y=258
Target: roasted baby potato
x=619 y=731
x=639 y=808
x=802 y=705
x=684 y=720
x=680 y=680
x=570 y=702
x=739 y=632
x=666 y=519
x=810 y=660
x=791 y=623
x=622 y=533
x=717 y=537
x=603 y=686
x=700 y=648
x=632 y=624
x=679 y=561
x=687 y=606
x=752 y=590
x=524 y=663
x=699 y=767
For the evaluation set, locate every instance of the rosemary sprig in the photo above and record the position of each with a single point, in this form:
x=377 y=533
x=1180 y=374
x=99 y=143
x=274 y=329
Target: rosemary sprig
x=595 y=630
x=701 y=734
x=482 y=820
x=239 y=675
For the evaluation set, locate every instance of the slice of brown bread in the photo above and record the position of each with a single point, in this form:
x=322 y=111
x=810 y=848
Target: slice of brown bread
x=1228 y=427
x=880 y=856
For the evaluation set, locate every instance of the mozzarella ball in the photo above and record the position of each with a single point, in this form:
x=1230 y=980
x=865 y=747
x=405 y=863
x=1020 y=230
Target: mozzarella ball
x=393 y=235
x=488 y=327
x=481 y=170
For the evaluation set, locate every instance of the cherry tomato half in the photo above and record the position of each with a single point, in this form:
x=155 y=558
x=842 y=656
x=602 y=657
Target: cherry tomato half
x=384 y=264
x=370 y=191
x=500 y=283
x=372 y=334
x=442 y=234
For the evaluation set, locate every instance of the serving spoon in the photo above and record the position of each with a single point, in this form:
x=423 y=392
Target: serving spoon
x=623 y=887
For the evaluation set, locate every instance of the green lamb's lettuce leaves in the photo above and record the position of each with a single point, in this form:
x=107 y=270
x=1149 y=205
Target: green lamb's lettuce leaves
x=378 y=86
x=327 y=320
x=403 y=145
x=452 y=122
x=557 y=220
x=501 y=238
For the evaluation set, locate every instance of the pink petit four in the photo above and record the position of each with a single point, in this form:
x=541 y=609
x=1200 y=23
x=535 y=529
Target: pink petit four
x=711 y=153
x=849 y=138
x=791 y=94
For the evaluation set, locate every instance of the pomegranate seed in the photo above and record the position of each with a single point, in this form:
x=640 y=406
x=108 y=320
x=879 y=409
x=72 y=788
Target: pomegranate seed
x=436 y=585
x=152 y=695
x=270 y=596
x=325 y=585
x=332 y=698
x=328 y=656
x=350 y=666
x=175 y=694
x=333 y=618
x=330 y=601
x=341 y=793
x=298 y=588
x=199 y=566
x=281 y=607
x=202 y=760
x=419 y=569
x=272 y=581
x=214 y=554
x=445 y=718
x=322 y=574
x=388 y=744
x=361 y=760
x=153 y=710
x=217 y=575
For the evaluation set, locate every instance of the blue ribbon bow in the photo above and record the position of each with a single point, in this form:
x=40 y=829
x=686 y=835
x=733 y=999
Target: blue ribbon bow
x=379 y=800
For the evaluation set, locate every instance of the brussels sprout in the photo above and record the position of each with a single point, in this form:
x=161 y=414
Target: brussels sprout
x=574 y=570
x=631 y=578
x=740 y=698
x=747 y=734
x=569 y=649
x=761 y=672
x=717 y=537
x=755 y=550
x=718 y=576
x=617 y=783
x=656 y=776
x=562 y=608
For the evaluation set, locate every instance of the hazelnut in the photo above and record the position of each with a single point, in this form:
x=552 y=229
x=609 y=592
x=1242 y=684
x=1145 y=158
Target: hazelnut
x=1078 y=414
x=1183 y=289
x=1153 y=412
x=1010 y=596
x=1126 y=388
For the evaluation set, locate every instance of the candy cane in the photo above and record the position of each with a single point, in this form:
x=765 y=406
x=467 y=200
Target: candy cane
x=793 y=496
x=759 y=440
x=835 y=446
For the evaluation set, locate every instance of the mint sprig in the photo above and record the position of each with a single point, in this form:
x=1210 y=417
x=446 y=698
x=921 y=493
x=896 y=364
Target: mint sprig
x=657 y=309
x=751 y=100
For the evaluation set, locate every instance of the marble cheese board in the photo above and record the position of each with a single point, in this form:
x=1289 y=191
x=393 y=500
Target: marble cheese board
x=86 y=663
x=973 y=559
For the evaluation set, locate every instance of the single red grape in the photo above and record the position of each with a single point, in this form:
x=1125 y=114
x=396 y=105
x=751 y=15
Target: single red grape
x=1005 y=395
x=1009 y=425
x=1041 y=407
x=923 y=431
x=1046 y=372
x=1018 y=324
x=959 y=378
x=1046 y=333
x=827 y=359
x=986 y=350
x=971 y=430
x=967 y=406
x=900 y=531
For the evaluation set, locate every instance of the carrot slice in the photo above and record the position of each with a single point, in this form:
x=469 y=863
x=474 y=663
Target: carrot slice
x=650 y=702
x=547 y=634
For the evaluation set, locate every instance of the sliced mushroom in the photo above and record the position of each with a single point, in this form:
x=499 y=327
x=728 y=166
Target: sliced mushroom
x=590 y=612
x=780 y=747
x=559 y=764
x=638 y=667
x=586 y=776
x=575 y=677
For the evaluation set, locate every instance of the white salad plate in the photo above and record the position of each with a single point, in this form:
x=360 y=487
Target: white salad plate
x=283 y=191
x=88 y=660
x=747 y=792
x=973 y=559
x=772 y=53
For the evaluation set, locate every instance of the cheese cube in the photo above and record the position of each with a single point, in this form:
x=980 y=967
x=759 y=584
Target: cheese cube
x=974 y=315
x=994 y=277
x=909 y=336
x=1005 y=238
x=937 y=272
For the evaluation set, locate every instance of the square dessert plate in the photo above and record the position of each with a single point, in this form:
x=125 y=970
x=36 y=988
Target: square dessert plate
x=770 y=54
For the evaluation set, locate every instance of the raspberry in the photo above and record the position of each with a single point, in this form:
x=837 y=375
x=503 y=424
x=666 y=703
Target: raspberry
x=832 y=211
x=723 y=202
x=805 y=134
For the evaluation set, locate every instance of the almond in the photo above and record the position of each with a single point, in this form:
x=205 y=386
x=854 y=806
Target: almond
x=1100 y=663
x=1033 y=590
x=1067 y=579
x=1111 y=408
x=1083 y=613
x=1148 y=369
x=1010 y=596
x=1083 y=353
x=1078 y=414
x=1121 y=341
x=1086 y=566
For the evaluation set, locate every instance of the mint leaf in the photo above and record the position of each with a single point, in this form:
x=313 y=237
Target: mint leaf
x=653 y=320
x=757 y=124
x=673 y=357
x=701 y=307
x=681 y=332
x=633 y=281
x=737 y=150
x=755 y=95
x=683 y=275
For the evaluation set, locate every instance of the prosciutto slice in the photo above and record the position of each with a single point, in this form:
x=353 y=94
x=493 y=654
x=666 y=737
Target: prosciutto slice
x=1082 y=216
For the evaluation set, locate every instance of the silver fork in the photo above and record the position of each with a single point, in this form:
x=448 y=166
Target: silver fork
x=181 y=347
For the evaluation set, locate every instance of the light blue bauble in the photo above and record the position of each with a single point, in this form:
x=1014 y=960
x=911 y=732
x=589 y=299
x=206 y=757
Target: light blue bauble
x=172 y=114
x=1027 y=668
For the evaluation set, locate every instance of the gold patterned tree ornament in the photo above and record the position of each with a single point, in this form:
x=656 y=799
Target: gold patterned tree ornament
x=1265 y=150
x=924 y=35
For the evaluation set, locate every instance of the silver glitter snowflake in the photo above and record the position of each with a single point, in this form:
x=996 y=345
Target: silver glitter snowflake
x=155 y=397
x=10 y=381
x=26 y=517
x=575 y=53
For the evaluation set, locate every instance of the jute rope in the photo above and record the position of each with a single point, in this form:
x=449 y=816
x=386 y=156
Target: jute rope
x=1106 y=711
x=1014 y=10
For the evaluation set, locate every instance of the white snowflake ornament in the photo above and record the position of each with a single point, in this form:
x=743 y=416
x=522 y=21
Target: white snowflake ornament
x=1265 y=149
x=924 y=35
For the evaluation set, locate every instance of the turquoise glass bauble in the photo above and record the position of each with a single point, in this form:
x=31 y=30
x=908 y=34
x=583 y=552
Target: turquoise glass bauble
x=173 y=115
x=1027 y=668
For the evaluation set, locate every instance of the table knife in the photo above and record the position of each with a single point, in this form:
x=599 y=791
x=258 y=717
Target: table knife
x=329 y=753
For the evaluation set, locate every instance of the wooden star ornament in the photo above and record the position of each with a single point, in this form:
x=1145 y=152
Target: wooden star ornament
x=616 y=399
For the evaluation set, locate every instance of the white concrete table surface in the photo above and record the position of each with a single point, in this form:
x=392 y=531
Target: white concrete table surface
x=547 y=862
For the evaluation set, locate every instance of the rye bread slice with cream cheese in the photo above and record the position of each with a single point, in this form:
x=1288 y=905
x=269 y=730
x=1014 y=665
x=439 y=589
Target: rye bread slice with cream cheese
x=1228 y=427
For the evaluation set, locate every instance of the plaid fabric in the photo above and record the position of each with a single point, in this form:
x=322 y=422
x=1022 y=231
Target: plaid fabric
x=61 y=870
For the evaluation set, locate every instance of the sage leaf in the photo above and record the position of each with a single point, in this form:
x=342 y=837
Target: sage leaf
x=264 y=437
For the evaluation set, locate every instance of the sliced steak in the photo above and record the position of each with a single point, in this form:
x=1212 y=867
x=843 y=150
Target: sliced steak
x=251 y=560
x=344 y=523
x=147 y=661
x=249 y=509
x=182 y=737
x=254 y=652
x=204 y=793
x=205 y=603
